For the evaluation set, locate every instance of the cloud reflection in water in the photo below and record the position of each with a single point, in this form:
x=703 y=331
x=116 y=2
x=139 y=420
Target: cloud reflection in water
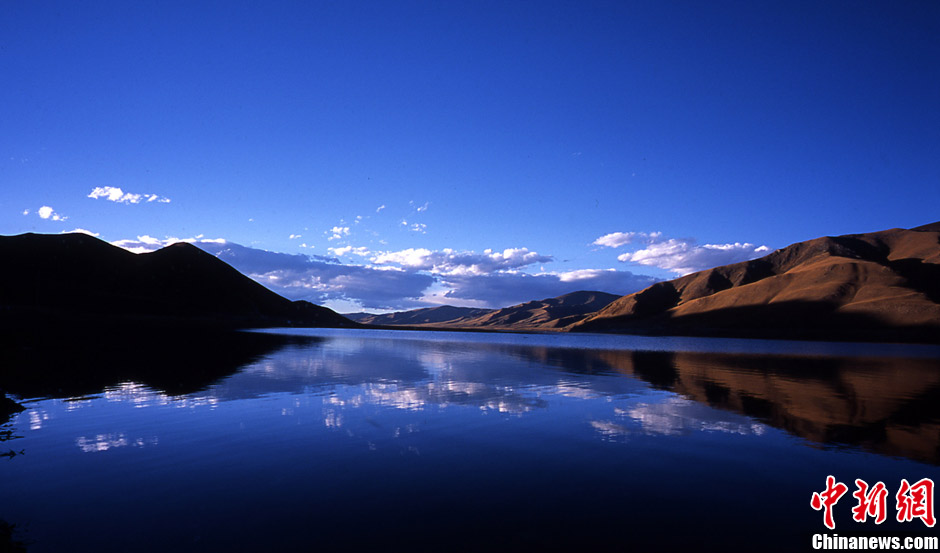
x=346 y=381
x=676 y=416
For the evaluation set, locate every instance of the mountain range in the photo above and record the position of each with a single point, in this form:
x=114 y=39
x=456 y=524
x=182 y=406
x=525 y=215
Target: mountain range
x=877 y=286
x=547 y=314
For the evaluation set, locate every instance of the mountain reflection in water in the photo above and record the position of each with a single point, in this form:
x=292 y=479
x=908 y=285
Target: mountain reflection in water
x=887 y=405
x=442 y=442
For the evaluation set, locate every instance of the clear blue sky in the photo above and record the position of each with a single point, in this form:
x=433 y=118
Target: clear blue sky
x=481 y=127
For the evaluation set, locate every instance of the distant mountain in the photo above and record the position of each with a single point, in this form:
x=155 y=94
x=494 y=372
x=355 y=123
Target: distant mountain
x=71 y=277
x=880 y=286
x=547 y=314
x=427 y=315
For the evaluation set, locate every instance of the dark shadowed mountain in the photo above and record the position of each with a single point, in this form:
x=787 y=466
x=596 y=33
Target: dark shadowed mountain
x=69 y=277
x=547 y=314
x=878 y=286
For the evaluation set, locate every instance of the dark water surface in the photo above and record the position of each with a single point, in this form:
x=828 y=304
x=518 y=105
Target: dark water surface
x=373 y=440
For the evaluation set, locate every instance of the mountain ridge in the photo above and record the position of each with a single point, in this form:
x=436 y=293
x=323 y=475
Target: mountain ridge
x=74 y=276
x=875 y=286
x=882 y=285
x=547 y=314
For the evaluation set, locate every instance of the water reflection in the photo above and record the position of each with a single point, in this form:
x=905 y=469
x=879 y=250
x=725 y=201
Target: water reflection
x=9 y=541
x=84 y=364
x=104 y=442
x=155 y=368
x=679 y=416
x=888 y=405
x=490 y=441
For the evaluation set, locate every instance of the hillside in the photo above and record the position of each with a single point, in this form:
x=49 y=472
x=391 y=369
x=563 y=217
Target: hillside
x=882 y=286
x=547 y=314
x=72 y=277
x=428 y=315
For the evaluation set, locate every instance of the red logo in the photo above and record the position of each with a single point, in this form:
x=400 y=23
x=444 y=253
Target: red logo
x=916 y=502
x=913 y=501
x=870 y=503
x=828 y=498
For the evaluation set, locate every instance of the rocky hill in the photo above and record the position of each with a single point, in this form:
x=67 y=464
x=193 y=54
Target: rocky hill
x=880 y=286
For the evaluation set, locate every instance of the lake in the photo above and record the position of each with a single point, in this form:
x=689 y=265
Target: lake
x=313 y=439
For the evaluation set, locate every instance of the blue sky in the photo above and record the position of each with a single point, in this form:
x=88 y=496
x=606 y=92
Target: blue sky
x=390 y=155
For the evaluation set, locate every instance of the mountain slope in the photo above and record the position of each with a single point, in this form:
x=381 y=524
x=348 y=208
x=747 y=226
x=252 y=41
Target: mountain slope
x=547 y=314
x=79 y=276
x=874 y=286
x=428 y=315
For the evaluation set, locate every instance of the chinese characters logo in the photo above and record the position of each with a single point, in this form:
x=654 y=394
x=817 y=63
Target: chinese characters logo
x=912 y=501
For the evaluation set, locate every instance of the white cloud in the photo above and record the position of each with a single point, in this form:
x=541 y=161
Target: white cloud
x=380 y=208
x=510 y=288
x=419 y=208
x=684 y=256
x=405 y=279
x=313 y=278
x=80 y=231
x=585 y=274
x=360 y=251
x=418 y=227
x=115 y=194
x=618 y=239
x=25 y=212
x=451 y=262
x=147 y=243
x=679 y=255
x=46 y=212
x=338 y=232
x=294 y=236
x=415 y=258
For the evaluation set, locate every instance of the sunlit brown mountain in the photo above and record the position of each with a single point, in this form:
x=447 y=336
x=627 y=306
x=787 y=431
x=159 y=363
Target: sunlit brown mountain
x=547 y=314
x=76 y=279
x=880 y=286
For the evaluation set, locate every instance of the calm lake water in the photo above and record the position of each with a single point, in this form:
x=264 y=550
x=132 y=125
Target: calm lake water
x=438 y=441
